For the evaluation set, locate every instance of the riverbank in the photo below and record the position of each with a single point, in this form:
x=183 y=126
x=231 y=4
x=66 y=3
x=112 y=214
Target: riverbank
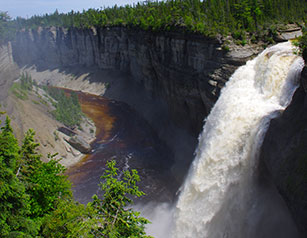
x=34 y=112
x=124 y=136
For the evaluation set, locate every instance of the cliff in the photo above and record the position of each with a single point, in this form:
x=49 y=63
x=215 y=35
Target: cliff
x=186 y=70
x=8 y=70
x=284 y=154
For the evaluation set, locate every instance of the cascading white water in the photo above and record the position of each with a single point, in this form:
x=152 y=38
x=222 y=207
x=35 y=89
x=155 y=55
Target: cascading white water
x=215 y=196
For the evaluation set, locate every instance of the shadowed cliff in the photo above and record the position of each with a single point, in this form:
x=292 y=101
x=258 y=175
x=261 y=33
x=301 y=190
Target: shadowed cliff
x=186 y=70
x=171 y=79
x=284 y=153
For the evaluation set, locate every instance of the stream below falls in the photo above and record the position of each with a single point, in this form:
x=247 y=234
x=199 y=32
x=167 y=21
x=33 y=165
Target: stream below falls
x=125 y=136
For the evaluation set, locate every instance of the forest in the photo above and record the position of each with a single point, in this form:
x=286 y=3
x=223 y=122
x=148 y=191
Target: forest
x=256 y=19
x=209 y=17
x=36 y=198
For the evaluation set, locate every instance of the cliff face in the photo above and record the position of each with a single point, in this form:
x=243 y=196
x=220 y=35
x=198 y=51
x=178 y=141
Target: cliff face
x=8 y=70
x=284 y=152
x=186 y=70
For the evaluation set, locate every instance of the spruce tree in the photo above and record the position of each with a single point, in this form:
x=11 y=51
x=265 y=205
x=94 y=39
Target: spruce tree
x=114 y=218
x=14 y=202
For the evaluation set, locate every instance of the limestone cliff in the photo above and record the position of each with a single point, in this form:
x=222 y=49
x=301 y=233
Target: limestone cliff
x=186 y=70
x=284 y=152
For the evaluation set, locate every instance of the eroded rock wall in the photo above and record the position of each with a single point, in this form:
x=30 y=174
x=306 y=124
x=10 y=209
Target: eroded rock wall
x=186 y=70
x=8 y=70
x=284 y=152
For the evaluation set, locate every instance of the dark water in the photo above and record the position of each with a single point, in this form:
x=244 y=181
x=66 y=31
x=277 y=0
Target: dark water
x=122 y=135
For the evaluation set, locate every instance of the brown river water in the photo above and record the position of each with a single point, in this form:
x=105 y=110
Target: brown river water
x=125 y=136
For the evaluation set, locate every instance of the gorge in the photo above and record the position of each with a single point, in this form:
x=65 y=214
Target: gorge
x=173 y=82
x=181 y=73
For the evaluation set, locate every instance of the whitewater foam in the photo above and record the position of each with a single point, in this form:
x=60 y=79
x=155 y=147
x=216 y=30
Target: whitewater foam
x=217 y=193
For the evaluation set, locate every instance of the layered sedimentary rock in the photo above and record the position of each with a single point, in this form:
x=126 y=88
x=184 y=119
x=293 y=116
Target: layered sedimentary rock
x=186 y=70
x=8 y=70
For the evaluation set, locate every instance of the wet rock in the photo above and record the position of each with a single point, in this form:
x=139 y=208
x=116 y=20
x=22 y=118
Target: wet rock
x=288 y=34
x=284 y=152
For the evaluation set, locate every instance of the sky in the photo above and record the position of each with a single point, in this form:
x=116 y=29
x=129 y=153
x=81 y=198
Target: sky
x=28 y=8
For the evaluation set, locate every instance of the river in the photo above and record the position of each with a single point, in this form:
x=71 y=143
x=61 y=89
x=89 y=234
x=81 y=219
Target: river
x=125 y=136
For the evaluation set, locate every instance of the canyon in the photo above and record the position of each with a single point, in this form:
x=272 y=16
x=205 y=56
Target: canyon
x=172 y=79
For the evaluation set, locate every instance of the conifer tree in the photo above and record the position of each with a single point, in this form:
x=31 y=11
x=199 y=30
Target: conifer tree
x=36 y=198
x=111 y=212
x=44 y=181
x=14 y=202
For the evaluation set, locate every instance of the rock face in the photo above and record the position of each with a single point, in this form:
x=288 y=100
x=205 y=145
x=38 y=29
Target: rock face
x=288 y=34
x=186 y=70
x=8 y=70
x=284 y=152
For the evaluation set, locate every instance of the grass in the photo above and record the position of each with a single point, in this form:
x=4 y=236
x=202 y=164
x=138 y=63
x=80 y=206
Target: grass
x=18 y=91
x=35 y=102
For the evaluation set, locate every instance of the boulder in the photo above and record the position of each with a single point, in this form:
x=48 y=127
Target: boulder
x=289 y=34
x=80 y=144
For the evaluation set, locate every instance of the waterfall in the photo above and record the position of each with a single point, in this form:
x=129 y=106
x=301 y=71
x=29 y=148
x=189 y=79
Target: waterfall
x=218 y=193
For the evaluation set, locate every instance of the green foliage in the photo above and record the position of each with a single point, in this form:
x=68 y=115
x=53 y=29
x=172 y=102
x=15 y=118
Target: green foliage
x=302 y=44
x=26 y=82
x=116 y=220
x=69 y=219
x=208 y=17
x=18 y=91
x=68 y=108
x=29 y=187
x=36 y=198
x=46 y=187
x=14 y=202
x=7 y=28
x=106 y=217
x=21 y=88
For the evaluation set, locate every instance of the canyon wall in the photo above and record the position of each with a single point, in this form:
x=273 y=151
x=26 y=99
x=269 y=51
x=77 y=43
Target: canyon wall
x=8 y=70
x=186 y=70
x=284 y=153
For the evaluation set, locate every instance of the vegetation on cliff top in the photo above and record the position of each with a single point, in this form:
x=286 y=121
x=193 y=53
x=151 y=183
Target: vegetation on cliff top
x=302 y=44
x=208 y=17
x=7 y=27
x=36 y=198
